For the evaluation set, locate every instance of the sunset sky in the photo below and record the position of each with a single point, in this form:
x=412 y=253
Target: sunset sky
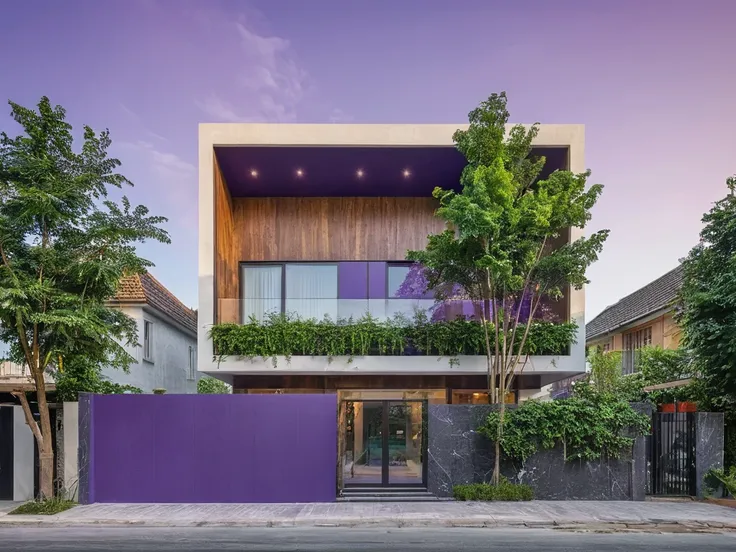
x=653 y=81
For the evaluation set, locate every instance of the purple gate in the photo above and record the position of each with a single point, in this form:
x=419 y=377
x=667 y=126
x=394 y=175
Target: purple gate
x=207 y=448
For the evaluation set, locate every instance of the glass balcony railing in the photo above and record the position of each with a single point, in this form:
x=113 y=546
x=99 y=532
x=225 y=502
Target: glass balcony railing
x=240 y=311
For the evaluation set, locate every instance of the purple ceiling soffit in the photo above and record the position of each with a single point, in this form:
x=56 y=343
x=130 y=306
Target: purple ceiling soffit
x=348 y=171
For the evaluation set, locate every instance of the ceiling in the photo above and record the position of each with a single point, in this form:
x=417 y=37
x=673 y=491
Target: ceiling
x=348 y=171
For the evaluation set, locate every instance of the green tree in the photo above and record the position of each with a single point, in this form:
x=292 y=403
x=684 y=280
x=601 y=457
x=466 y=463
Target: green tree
x=212 y=386
x=708 y=309
x=496 y=249
x=64 y=246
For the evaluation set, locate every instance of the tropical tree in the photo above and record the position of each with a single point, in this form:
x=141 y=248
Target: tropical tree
x=498 y=250
x=708 y=309
x=64 y=246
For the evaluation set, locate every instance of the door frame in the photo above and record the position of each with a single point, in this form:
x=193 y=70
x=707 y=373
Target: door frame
x=385 y=458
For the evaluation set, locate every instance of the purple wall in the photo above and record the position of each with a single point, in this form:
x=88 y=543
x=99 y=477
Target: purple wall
x=210 y=448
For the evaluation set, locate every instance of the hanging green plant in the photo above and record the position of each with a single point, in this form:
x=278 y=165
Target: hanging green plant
x=287 y=336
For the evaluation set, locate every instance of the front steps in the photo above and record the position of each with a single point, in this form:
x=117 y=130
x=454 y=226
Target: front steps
x=387 y=494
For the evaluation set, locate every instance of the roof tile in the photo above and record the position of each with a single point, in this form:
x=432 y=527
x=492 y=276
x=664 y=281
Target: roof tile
x=655 y=296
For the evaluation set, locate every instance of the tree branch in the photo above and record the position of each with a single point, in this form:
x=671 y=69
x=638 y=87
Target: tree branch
x=29 y=416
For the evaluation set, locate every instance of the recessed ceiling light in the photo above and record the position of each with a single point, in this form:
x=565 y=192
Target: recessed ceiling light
x=254 y=173
x=299 y=173
x=406 y=173
x=360 y=173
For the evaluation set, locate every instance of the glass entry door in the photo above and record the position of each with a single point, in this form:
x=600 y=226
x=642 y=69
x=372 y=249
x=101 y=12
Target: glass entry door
x=385 y=443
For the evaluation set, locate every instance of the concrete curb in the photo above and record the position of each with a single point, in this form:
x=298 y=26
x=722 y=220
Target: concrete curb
x=638 y=526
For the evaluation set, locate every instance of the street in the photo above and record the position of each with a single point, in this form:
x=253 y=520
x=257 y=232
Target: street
x=326 y=539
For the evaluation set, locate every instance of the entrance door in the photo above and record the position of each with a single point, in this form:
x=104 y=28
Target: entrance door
x=385 y=443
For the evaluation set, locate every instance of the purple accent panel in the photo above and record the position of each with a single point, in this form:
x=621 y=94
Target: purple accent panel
x=352 y=280
x=214 y=448
x=332 y=171
x=376 y=280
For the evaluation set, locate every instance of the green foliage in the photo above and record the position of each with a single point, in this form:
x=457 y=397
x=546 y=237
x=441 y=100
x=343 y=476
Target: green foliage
x=46 y=507
x=586 y=429
x=654 y=366
x=63 y=245
x=213 y=386
x=504 y=491
x=284 y=335
x=717 y=477
x=708 y=312
x=500 y=226
x=80 y=376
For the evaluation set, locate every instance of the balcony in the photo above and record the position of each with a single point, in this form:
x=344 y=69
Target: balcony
x=357 y=335
x=14 y=376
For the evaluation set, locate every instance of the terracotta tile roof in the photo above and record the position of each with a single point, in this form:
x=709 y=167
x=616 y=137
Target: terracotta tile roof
x=144 y=288
x=653 y=297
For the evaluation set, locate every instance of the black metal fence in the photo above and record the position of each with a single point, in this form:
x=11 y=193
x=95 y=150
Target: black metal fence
x=672 y=454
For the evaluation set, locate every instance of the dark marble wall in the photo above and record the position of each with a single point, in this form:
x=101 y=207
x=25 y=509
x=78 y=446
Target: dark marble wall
x=709 y=434
x=85 y=446
x=458 y=454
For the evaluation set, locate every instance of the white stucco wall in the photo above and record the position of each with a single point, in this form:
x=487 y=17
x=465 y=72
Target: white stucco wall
x=169 y=368
x=22 y=457
x=71 y=449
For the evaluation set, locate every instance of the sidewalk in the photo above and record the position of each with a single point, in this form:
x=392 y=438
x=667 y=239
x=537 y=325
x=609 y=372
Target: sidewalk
x=584 y=515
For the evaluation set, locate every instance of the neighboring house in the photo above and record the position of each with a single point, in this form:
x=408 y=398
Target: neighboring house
x=643 y=318
x=317 y=219
x=166 y=354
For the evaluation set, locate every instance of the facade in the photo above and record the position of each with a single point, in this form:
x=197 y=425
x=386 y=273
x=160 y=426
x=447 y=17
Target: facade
x=316 y=220
x=166 y=356
x=643 y=318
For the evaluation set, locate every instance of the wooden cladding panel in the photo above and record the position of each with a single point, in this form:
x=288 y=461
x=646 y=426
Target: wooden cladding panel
x=226 y=242
x=332 y=228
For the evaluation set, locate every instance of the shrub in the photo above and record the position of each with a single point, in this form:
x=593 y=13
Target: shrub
x=718 y=477
x=585 y=429
x=46 y=507
x=504 y=491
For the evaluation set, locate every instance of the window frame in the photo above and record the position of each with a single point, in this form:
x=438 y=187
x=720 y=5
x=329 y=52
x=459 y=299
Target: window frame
x=148 y=341
x=282 y=265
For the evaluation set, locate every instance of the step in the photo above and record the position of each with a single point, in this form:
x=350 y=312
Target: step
x=394 y=498
x=385 y=490
x=387 y=494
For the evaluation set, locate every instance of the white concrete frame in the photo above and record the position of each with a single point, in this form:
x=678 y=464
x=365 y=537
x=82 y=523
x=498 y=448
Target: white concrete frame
x=213 y=135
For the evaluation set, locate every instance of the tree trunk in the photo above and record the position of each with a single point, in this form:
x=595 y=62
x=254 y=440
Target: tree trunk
x=42 y=434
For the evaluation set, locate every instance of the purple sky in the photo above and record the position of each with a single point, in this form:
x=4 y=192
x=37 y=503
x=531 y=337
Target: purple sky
x=654 y=82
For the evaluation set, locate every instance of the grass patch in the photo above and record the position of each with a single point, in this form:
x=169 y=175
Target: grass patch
x=44 y=507
x=504 y=491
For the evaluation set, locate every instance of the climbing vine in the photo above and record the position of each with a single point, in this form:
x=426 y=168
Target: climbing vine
x=284 y=335
x=585 y=429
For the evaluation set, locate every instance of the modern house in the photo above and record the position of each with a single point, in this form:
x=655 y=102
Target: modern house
x=643 y=318
x=316 y=220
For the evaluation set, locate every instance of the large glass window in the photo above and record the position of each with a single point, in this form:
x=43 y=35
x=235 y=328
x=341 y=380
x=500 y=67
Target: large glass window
x=302 y=289
x=262 y=286
x=311 y=290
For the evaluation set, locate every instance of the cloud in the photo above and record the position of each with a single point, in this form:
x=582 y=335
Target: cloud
x=271 y=83
x=218 y=108
x=139 y=120
x=339 y=116
x=164 y=164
